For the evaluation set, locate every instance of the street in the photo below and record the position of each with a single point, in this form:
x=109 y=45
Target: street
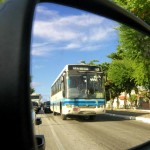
x=104 y=133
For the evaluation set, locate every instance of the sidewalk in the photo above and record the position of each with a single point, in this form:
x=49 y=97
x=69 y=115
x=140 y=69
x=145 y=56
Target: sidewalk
x=131 y=114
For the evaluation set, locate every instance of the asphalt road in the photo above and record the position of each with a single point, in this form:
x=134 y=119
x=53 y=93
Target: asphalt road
x=105 y=133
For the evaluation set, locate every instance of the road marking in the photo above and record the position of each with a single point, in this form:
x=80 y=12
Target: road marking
x=59 y=144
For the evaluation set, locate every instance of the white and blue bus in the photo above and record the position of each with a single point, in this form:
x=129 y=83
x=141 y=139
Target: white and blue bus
x=78 y=90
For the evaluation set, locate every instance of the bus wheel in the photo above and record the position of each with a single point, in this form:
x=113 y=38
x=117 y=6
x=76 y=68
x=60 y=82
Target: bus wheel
x=64 y=117
x=92 y=117
x=54 y=113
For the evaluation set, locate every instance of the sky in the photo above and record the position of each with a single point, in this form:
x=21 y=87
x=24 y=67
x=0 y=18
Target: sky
x=63 y=35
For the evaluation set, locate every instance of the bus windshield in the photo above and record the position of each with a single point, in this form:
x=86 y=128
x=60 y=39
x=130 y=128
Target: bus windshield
x=89 y=85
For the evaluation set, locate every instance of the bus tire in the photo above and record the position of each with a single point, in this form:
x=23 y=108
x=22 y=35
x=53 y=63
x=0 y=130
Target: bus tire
x=54 y=113
x=63 y=117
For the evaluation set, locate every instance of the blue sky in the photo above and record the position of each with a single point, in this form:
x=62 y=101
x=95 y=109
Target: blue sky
x=63 y=35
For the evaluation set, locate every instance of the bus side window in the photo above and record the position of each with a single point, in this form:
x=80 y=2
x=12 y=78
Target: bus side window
x=63 y=87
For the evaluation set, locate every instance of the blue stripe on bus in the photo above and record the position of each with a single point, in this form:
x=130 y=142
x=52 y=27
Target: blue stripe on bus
x=80 y=102
x=83 y=102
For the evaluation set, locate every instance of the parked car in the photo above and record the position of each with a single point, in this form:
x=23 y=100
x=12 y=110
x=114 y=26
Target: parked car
x=33 y=115
x=46 y=107
x=40 y=139
x=35 y=107
x=35 y=120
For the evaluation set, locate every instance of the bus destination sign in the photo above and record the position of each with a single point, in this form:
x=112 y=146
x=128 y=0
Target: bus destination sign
x=84 y=68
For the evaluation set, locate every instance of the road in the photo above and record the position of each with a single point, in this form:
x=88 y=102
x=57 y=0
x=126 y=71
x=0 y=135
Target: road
x=105 y=133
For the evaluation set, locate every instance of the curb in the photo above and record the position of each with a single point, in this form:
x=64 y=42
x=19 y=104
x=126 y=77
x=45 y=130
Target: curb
x=146 y=120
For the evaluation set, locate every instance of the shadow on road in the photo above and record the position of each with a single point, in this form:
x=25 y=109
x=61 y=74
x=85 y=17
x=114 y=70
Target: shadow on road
x=135 y=113
x=98 y=118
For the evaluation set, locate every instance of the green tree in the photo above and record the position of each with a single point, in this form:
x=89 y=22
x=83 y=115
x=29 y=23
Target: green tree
x=93 y=62
x=133 y=100
x=120 y=73
x=2 y=1
x=112 y=91
x=136 y=46
x=118 y=55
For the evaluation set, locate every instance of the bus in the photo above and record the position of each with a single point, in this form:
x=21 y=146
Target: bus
x=79 y=90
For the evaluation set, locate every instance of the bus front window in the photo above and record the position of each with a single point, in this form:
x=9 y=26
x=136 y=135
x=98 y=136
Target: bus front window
x=85 y=86
x=76 y=87
x=95 y=87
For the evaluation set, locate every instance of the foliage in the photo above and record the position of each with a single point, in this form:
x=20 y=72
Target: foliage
x=119 y=55
x=120 y=73
x=2 y=1
x=135 y=45
x=138 y=7
x=140 y=74
x=133 y=98
x=93 y=62
x=82 y=62
x=112 y=90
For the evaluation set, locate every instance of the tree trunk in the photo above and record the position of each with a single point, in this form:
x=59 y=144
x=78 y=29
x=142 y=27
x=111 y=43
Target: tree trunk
x=117 y=102
x=125 y=99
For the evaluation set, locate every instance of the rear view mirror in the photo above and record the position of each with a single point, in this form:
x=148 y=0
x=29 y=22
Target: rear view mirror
x=16 y=71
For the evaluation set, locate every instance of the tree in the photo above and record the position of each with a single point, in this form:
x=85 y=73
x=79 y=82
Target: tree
x=2 y=1
x=119 y=55
x=136 y=46
x=112 y=91
x=82 y=62
x=120 y=73
x=93 y=62
x=133 y=100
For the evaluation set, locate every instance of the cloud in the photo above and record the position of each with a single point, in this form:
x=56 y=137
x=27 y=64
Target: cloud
x=40 y=51
x=43 y=13
x=72 y=46
x=57 y=32
x=35 y=84
x=38 y=66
